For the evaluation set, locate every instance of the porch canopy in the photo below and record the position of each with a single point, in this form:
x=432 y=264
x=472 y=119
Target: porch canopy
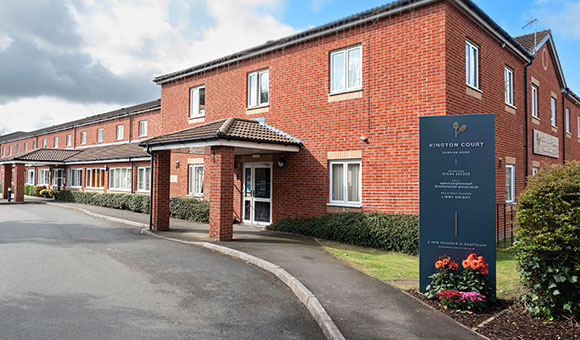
x=225 y=138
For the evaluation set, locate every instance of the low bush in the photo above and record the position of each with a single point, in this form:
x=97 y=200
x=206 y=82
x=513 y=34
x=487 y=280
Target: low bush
x=29 y=190
x=191 y=209
x=393 y=232
x=548 y=241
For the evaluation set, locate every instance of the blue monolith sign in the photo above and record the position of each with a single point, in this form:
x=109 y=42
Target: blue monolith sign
x=457 y=190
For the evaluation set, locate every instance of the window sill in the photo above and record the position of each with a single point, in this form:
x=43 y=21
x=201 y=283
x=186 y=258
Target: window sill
x=568 y=134
x=119 y=190
x=196 y=119
x=346 y=205
x=536 y=120
x=510 y=109
x=143 y=191
x=257 y=106
x=472 y=91
x=195 y=195
x=554 y=128
x=340 y=96
x=257 y=109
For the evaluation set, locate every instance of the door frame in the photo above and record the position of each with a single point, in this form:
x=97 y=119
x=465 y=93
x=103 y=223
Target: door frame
x=252 y=199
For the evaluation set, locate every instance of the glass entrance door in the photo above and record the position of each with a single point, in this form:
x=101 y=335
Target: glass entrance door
x=257 y=204
x=57 y=179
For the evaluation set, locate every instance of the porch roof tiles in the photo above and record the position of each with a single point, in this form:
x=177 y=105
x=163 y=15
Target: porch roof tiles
x=228 y=129
x=43 y=155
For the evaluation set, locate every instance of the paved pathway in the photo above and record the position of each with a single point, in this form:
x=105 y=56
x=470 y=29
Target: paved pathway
x=361 y=306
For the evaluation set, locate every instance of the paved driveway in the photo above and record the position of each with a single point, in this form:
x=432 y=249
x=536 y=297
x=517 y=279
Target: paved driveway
x=64 y=275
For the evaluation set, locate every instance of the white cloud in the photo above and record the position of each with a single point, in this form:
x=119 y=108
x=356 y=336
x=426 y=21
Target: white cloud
x=562 y=18
x=5 y=41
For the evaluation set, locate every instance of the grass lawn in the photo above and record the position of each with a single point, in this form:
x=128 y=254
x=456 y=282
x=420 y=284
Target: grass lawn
x=402 y=270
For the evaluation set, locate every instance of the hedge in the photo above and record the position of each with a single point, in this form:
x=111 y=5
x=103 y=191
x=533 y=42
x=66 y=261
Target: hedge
x=393 y=232
x=191 y=209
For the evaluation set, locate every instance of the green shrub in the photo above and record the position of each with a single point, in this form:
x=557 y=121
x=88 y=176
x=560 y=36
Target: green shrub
x=191 y=209
x=548 y=241
x=29 y=190
x=394 y=232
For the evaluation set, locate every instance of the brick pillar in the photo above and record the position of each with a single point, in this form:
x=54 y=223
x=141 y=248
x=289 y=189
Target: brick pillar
x=160 y=190
x=221 y=200
x=19 y=180
x=7 y=180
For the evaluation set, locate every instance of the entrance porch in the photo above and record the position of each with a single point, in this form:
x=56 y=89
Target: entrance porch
x=220 y=142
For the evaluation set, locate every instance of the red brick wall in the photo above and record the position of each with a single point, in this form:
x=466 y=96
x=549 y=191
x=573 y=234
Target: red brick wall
x=572 y=139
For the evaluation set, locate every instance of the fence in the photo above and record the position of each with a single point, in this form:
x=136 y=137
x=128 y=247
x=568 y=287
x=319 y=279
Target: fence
x=505 y=216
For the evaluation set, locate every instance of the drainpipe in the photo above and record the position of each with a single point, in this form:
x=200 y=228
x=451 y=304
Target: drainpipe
x=526 y=108
x=150 y=192
x=132 y=175
x=74 y=137
x=565 y=93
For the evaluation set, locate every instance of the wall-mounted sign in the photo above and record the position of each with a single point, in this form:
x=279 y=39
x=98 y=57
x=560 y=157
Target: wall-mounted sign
x=546 y=145
x=457 y=190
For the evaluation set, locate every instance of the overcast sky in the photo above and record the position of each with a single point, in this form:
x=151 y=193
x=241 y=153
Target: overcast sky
x=67 y=59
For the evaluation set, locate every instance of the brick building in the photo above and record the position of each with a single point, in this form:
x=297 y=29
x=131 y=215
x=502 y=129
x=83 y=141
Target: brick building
x=327 y=120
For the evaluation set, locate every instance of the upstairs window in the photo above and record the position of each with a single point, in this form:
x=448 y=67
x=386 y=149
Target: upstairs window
x=119 y=132
x=84 y=137
x=44 y=143
x=10 y=150
x=99 y=135
x=535 y=101
x=258 y=88
x=553 y=109
x=346 y=69
x=567 y=120
x=26 y=147
x=578 y=127
x=17 y=149
x=34 y=145
x=68 y=140
x=471 y=64
x=508 y=75
x=55 y=142
x=3 y=152
x=143 y=128
x=197 y=101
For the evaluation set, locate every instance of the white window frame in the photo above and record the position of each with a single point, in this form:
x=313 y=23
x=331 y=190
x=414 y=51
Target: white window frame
x=567 y=120
x=34 y=144
x=346 y=72
x=29 y=177
x=471 y=64
x=258 y=88
x=509 y=86
x=534 y=95
x=553 y=105
x=195 y=108
x=144 y=185
x=44 y=143
x=89 y=173
x=43 y=174
x=68 y=140
x=142 y=128
x=120 y=132
x=120 y=179
x=55 y=142
x=10 y=150
x=100 y=133
x=25 y=146
x=192 y=184
x=345 y=164
x=3 y=152
x=74 y=175
x=512 y=188
x=83 y=137
x=17 y=149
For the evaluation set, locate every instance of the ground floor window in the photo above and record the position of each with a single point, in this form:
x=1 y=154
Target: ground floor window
x=43 y=177
x=345 y=182
x=196 y=180
x=120 y=179
x=510 y=183
x=75 y=178
x=30 y=177
x=144 y=178
x=95 y=178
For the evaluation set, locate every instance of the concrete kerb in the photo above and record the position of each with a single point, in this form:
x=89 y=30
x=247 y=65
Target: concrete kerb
x=328 y=327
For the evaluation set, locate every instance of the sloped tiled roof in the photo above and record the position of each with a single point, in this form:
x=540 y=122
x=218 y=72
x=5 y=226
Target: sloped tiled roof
x=109 y=152
x=43 y=155
x=528 y=41
x=12 y=135
x=229 y=129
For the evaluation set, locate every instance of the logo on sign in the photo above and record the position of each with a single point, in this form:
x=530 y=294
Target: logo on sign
x=459 y=129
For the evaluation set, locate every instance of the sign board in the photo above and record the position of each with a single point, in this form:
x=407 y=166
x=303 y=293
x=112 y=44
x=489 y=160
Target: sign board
x=546 y=145
x=457 y=190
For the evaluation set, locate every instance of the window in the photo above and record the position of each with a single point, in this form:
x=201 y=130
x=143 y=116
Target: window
x=258 y=88
x=471 y=64
x=553 y=109
x=25 y=146
x=84 y=137
x=44 y=143
x=119 y=132
x=509 y=86
x=346 y=69
x=535 y=171
x=68 y=140
x=43 y=177
x=567 y=120
x=142 y=128
x=535 y=101
x=345 y=182
x=510 y=183
x=10 y=150
x=75 y=178
x=196 y=180
x=95 y=178
x=579 y=127
x=197 y=101
x=120 y=179
x=99 y=135
x=34 y=144
x=144 y=178
x=55 y=142
x=30 y=177
x=17 y=149
x=3 y=152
